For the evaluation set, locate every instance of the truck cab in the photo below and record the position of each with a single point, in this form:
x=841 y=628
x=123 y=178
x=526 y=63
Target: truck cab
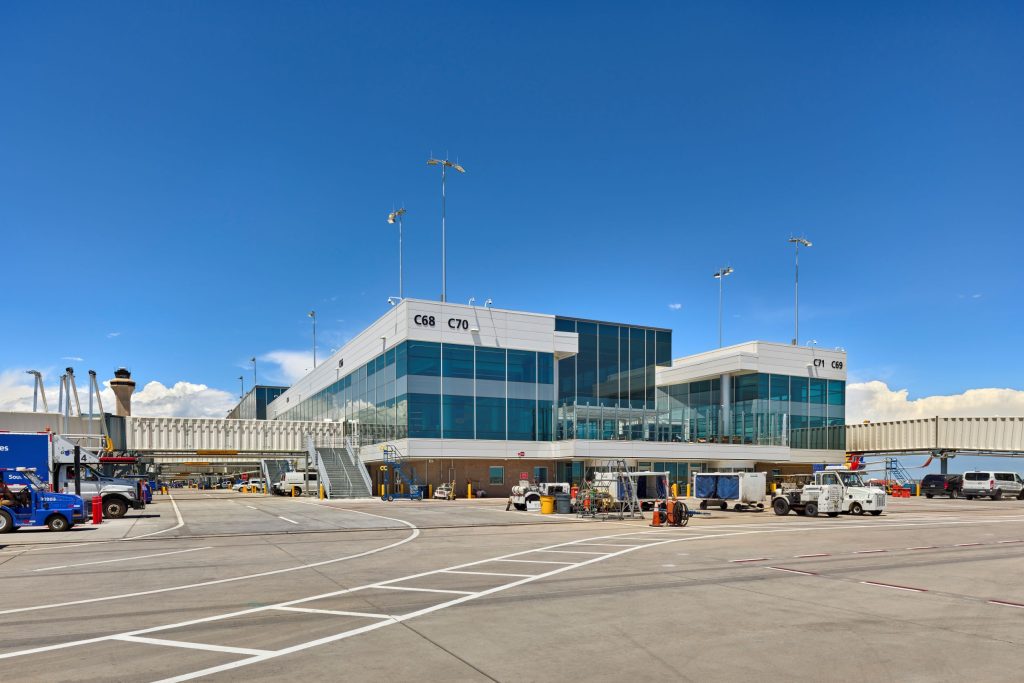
x=118 y=495
x=832 y=491
x=25 y=501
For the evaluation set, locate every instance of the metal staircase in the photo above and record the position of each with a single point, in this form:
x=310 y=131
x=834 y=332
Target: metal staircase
x=341 y=472
x=404 y=475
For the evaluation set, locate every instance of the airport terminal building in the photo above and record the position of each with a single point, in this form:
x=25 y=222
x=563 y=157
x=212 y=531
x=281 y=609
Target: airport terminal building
x=490 y=396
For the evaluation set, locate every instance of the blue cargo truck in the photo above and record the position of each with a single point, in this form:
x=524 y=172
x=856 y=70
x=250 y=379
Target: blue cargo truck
x=52 y=459
x=25 y=501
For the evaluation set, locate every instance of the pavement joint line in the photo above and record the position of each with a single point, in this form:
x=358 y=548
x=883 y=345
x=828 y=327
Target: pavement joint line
x=192 y=646
x=287 y=520
x=1006 y=603
x=1016 y=541
x=814 y=555
x=792 y=571
x=923 y=547
x=750 y=559
x=424 y=590
x=965 y=545
x=252 y=507
x=459 y=571
x=122 y=559
x=869 y=552
x=574 y=552
x=336 y=612
x=533 y=561
x=894 y=587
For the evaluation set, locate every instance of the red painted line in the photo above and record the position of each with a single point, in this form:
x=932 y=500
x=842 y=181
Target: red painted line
x=964 y=545
x=1004 y=603
x=751 y=559
x=894 y=586
x=792 y=571
x=814 y=555
x=865 y=552
x=923 y=547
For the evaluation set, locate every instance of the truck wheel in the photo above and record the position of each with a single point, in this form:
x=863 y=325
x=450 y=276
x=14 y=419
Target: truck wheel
x=703 y=505
x=811 y=509
x=519 y=506
x=390 y=498
x=6 y=523
x=1020 y=496
x=998 y=494
x=57 y=523
x=780 y=506
x=114 y=508
x=876 y=512
x=928 y=495
x=856 y=509
x=723 y=506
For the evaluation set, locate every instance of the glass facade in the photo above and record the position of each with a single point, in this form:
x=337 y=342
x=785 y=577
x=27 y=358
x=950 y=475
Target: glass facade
x=253 y=405
x=607 y=390
x=428 y=390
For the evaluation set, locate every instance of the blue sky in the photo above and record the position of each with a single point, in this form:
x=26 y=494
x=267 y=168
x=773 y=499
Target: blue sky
x=180 y=183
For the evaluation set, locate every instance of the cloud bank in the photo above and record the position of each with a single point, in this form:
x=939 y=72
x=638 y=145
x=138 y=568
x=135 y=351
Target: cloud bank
x=292 y=365
x=875 y=401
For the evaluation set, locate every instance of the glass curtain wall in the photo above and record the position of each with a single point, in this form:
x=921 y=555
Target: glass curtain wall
x=452 y=391
x=607 y=390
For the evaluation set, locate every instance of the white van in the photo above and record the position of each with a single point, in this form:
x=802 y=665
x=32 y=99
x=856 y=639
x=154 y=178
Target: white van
x=297 y=481
x=994 y=485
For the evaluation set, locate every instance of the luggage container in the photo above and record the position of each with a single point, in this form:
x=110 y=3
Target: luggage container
x=743 y=489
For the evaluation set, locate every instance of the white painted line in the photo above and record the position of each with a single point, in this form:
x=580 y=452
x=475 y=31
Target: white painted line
x=252 y=507
x=336 y=612
x=457 y=571
x=193 y=646
x=750 y=559
x=898 y=588
x=791 y=571
x=530 y=561
x=412 y=536
x=965 y=545
x=869 y=552
x=923 y=547
x=425 y=590
x=572 y=552
x=287 y=520
x=812 y=555
x=1004 y=603
x=614 y=545
x=1011 y=541
x=122 y=559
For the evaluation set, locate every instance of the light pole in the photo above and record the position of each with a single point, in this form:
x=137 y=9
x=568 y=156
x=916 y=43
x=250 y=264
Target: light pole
x=445 y=164
x=312 y=314
x=393 y=217
x=797 y=242
x=253 y=361
x=720 y=276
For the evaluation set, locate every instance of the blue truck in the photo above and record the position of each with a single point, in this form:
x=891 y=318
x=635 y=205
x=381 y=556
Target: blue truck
x=25 y=501
x=51 y=457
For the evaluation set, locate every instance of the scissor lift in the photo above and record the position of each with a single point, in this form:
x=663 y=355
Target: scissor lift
x=402 y=473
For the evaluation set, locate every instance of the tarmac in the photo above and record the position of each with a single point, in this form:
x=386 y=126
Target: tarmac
x=220 y=585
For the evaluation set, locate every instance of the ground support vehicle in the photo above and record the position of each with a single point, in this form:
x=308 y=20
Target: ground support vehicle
x=994 y=485
x=295 y=484
x=445 y=491
x=52 y=458
x=25 y=501
x=526 y=495
x=942 y=485
x=744 y=489
x=832 y=491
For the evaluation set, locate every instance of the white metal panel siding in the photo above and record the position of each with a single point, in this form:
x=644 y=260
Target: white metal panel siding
x=906 y=435
x=187 y=434
x=982 y=433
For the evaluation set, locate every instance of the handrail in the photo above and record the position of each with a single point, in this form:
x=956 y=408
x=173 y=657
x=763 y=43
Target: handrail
x=321 y=468
x=358 y=465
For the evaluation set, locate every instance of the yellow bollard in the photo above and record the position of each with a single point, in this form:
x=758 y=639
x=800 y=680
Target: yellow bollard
x=382 y=490
x=264 y=489
x=322 y=496
x=773 y=486
x=293 y=491
x=469 y=491
x=430 y=490
x=687 y=490
x=918 y=489
x=675 y=490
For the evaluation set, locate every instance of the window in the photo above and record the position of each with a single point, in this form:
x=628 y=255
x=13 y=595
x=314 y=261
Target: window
x=496 y=475
x=522 y=366
x=424 y=358
x=425 y=416
x=836 y=392
x=817 y=392
x=976 y=476
x=458 y=361
x=663 y=347
x=490 y=363
x=458 y=417
x=490 y=417
x=522 y=419
x=540 y=475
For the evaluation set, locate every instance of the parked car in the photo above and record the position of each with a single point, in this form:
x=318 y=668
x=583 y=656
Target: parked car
x=942 y=485
x=994 y=485
x=251 y=482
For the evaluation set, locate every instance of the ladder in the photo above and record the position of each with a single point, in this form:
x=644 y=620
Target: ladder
x=627 y=501
x=897 y=478
x=404 y=474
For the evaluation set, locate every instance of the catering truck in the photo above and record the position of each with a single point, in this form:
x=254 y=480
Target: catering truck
x=52 y=458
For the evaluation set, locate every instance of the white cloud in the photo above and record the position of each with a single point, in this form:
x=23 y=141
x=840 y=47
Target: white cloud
x=111 y=335
x=875 y=401
x=77 y=359
x=183 y=399
x=675 y=307
x=292 y=365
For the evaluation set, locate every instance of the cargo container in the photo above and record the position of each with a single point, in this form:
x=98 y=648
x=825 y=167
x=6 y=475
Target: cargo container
x=742 y=489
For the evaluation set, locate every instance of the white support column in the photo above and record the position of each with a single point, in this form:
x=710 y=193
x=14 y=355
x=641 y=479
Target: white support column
x=725 y=407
